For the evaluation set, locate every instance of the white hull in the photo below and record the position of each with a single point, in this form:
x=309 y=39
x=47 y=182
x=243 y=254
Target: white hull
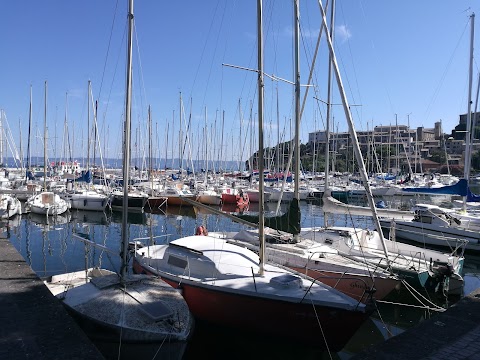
x=209 y=198
x=9 y=206
x=47 y=203
x=434 y=234
x=88 y=201
x=95 y=295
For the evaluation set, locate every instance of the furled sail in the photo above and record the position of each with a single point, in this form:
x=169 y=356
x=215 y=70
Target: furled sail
x=333 y=206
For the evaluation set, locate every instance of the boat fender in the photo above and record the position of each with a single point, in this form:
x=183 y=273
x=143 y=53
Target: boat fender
x=84 y=202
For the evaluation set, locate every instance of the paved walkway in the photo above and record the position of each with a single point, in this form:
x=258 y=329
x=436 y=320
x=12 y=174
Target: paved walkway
x=33 y=323
x=451 y=335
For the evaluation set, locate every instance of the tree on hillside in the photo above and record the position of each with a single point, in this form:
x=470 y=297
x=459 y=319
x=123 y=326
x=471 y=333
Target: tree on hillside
x=438 y=156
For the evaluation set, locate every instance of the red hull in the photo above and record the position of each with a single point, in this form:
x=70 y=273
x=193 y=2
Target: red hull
x=177 y=201
x=229 y=198
x=355 y=286
x=293 y=321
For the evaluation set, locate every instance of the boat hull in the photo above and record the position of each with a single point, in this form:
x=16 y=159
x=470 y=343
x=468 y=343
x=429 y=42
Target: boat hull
x=154 y=202
x=178 y=201
x=359 y=287
x=94 y=302
x=134 y=202
x=209 y=199
x=431 y=234
x=89 y=203
x=279 y=319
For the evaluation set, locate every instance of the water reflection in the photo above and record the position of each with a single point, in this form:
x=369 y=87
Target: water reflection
x=137 y=217
x=48 y=222
x=91 y=217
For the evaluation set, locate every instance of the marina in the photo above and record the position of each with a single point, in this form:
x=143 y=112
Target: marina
x=47 y=245
x=224 y=236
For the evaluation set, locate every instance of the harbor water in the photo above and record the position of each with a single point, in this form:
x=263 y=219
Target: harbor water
x=48 y=246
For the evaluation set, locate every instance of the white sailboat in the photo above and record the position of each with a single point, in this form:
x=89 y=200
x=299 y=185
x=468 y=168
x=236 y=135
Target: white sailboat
x=9 y=206
x=435 y=225
x=134 y=307
x=424 y=268
x=47 y=202
x=229 y=285
x=317 y=257
x=84 y=196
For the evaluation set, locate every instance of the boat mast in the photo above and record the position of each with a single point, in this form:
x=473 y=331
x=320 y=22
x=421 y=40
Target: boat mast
x=88 y=124
x=468 y=151
x=329 y=108
x=29 y=154
x=45 y=142
x=261 y=210
x=150 y=148
x=353 y=133
x=126 y=145
x=297 y=99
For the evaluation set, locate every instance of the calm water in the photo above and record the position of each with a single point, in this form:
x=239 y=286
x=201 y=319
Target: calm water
x=49 y=248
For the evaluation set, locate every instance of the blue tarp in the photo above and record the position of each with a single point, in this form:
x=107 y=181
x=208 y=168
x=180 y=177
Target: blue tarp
x=30 y=175
x=460 y=188
x=471 y=197
x=85 y=177
x=386 y=177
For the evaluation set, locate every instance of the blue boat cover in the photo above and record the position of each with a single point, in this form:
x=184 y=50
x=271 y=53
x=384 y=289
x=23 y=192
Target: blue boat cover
x=471 y=197
x=460 y=188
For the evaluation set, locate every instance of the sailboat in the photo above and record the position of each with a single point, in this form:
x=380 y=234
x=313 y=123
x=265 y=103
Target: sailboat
x=439 y=226
x=132 y=307
x=314 y=249
x=289 y=246
x=421 y=267
x=85 y=197
x=228 y=285
x=46 y=202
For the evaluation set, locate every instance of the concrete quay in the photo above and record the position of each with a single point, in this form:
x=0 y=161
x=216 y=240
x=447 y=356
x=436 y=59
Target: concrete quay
x=34 y=324
x=451 y=335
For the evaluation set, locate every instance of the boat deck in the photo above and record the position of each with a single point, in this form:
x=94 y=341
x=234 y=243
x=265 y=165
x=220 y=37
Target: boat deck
x=452 y=334
x=35 y=325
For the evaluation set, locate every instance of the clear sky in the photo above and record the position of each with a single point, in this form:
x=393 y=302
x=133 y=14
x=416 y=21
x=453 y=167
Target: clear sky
x=406 y=60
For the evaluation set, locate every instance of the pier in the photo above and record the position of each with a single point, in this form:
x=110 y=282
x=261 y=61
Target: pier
x=34 y=324
x=452 y=334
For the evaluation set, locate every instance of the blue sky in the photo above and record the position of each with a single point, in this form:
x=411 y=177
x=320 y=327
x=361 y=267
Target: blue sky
x=403 y=60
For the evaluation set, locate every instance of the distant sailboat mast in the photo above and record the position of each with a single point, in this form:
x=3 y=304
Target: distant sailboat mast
x=29 y=151
x=45 y=142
